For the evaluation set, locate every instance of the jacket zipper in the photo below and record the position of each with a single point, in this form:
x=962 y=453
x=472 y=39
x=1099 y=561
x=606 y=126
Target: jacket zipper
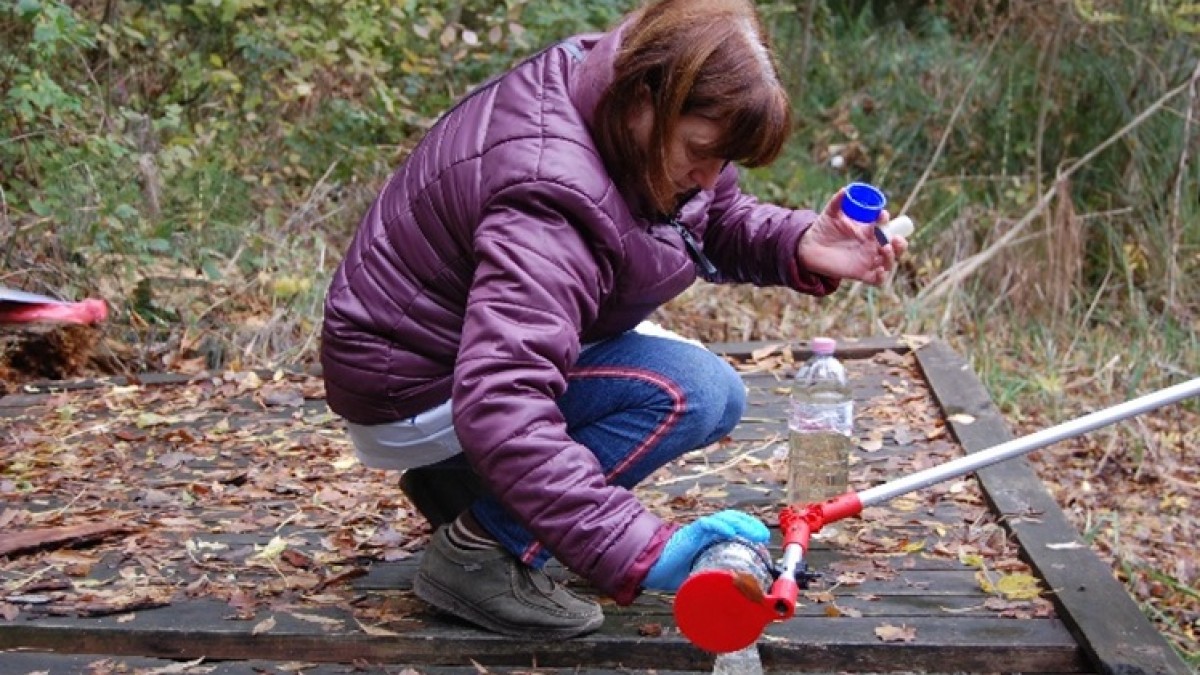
x=707 y=269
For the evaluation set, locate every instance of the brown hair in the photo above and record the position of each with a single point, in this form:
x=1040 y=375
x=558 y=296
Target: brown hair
x=708 y=58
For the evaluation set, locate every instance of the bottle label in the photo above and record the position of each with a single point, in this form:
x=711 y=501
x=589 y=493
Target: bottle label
x=806 y=418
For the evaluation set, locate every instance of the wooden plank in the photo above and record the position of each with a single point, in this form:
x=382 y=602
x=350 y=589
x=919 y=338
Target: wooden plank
x=1115 y=634
x=150 y=379
x=32 y=663
x=43 y=662
x=804 y=643
x=963 y=644
x=849 y=348
x=43 y=387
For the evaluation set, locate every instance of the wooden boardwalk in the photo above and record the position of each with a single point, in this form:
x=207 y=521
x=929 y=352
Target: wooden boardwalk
x=219 y=524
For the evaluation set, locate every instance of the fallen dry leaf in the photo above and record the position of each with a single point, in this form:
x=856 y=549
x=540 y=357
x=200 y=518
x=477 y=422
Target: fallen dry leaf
x=748 y=586
x=650 y=630
x=263 y=626
x=901 y=633
x=324 y=621
x=376 y=630
x=1015 y=586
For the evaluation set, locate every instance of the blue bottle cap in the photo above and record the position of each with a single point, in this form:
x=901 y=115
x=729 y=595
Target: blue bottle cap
x=862 y=202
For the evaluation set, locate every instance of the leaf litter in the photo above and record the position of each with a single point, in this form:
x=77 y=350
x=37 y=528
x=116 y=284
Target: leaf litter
x=234 y=487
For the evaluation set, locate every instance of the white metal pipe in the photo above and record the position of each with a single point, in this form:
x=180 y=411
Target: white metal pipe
x=1024 y=444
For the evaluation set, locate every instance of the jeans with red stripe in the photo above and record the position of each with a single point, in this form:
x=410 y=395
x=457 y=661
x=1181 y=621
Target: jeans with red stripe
x=637 y=402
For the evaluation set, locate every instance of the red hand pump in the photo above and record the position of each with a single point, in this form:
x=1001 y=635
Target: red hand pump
x=722 y=610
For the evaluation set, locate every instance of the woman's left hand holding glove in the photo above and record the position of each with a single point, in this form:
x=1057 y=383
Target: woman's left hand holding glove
x=675 y=563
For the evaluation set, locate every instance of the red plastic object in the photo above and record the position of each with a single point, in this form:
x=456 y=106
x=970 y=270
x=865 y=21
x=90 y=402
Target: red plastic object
x=720 y=611
x=718 y=616
x=84 y=312
x=798 y=523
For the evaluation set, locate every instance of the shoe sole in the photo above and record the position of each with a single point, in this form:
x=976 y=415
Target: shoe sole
x=441 y=598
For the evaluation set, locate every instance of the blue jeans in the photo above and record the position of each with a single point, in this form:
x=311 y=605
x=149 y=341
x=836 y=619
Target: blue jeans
x=637 y=402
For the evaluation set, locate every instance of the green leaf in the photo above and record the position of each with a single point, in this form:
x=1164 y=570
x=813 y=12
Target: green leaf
x=125 y=212
x=210 y=269
x=40 y=208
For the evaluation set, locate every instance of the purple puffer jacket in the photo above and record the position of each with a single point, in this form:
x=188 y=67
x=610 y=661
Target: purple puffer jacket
x=494 y=251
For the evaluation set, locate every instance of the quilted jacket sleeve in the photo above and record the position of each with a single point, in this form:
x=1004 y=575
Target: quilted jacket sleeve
x=754 y=242
x=539 y=278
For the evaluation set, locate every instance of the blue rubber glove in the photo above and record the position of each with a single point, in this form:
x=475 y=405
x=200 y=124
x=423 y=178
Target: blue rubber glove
x=675 y=563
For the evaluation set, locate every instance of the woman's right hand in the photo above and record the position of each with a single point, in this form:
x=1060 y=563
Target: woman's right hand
x=675 y=563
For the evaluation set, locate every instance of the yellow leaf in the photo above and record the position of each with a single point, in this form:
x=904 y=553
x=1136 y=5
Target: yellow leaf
x=914 y=546
x=985 y=583
x=250 y=380
x=273 y=549
x=970 y=559
x=287 y=287
x=1012 y=586
x=1019 y=587
x=149 y=419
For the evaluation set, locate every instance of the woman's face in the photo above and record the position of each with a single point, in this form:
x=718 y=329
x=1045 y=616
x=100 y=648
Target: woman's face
x=688 y=165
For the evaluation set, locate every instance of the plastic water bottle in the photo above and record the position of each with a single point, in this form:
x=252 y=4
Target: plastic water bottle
x=742 y=662
x=820 y=428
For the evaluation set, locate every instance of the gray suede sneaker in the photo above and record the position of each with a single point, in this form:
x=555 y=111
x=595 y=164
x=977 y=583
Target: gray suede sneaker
x=494 y=590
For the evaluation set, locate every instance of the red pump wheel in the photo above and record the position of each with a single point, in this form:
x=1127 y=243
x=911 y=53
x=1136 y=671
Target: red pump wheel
x=715 y=610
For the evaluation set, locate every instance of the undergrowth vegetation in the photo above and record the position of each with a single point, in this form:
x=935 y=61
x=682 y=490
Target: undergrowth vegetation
x=201 y=165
